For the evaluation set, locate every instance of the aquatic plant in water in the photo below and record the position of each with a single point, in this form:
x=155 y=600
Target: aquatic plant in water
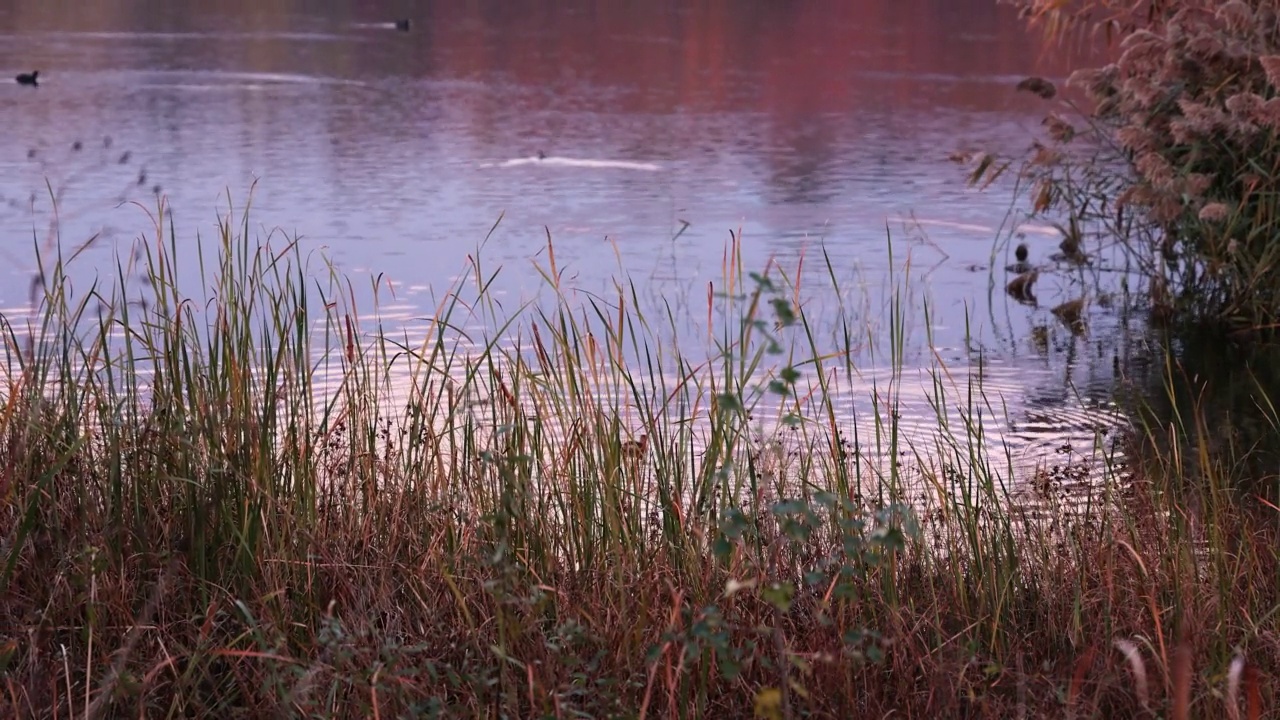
x=1175 y=149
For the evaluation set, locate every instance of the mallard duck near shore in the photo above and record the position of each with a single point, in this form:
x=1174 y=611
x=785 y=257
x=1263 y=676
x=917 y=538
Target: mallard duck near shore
x=1070 y=249
x=1021 y=266
x=635 y=450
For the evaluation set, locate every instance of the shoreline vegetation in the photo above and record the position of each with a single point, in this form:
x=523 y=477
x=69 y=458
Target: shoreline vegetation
x=214 y=504
x=192 y=528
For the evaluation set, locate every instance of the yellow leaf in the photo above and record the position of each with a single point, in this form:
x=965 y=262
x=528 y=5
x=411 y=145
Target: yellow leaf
x=769 y=704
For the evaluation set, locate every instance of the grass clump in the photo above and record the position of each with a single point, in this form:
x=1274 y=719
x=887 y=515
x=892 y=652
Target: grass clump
x=1173 y=150
x=252 y=501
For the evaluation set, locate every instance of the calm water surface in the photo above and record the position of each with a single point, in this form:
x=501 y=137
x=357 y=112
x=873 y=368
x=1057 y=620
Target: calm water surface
x=808 y=128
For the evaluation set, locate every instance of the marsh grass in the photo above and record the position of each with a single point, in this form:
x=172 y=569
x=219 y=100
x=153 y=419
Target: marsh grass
x=231 y=501
x=1171 y=150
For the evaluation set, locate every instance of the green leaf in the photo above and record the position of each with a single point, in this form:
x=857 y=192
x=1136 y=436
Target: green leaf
x=783 y=310
x=729 y=402
x=722 y=548
x=762 y=282
x=779 y=595
x=875 y=654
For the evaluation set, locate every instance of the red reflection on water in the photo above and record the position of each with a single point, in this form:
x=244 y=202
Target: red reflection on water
x=814 y=57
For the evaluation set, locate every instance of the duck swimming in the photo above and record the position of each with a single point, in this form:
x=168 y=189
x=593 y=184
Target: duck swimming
x=403 y=25
x=634 y=450
x=1022 y=265
x=1070 y=245
x=1038 y=86
x=32 y=78
x=542 y=155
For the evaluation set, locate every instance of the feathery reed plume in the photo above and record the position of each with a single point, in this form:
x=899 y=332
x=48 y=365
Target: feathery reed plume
x=1133 y=656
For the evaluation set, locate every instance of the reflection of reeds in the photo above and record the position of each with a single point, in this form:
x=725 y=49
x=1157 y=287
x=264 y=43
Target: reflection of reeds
x=473 y=542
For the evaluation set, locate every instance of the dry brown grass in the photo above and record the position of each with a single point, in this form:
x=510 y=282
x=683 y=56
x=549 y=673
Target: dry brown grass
x=210 y=543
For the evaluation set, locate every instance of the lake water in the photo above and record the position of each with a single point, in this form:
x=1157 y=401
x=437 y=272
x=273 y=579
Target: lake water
x=807 y=128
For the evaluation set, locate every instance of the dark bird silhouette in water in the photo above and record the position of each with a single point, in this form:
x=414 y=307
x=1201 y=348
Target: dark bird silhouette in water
x=542 y=155
x=635 y=450
x=1070 y=245
x=32 y=78
x=403 y=25
x=1022 y=265
x=1038 y=86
